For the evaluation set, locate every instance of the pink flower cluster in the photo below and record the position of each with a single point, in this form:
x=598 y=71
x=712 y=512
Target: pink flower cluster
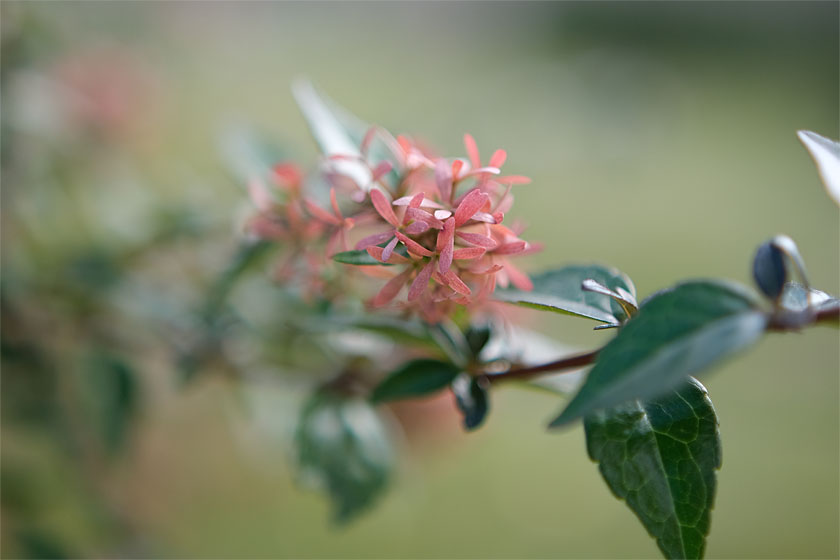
x=436 y=221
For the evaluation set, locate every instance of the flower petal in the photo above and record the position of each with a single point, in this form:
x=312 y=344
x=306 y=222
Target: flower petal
x=417 y=227
x=470 y=204
x=497 y=159
x=374 y=239
x=413 y=246
x=472 y=150
x=451 y=279
x=396 y=258
x=389 y=249
x=477 y=239
x=446 y=245
x=390 y=290
x=422 y=281
x=320 y=213
x=468 y=253
x=511 y=248
x=443 y=179
x=383 y=207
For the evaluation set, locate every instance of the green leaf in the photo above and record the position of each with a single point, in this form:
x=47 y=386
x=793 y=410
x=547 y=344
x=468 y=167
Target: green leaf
x=471 y=396
x=357 y=258
x=826 y=154
x=560 y=291
x=343 y=448
x=661 y=457
x=113 y=395
x=676 y=333
x=796 y=297
x=338 y=132
x=414 y=379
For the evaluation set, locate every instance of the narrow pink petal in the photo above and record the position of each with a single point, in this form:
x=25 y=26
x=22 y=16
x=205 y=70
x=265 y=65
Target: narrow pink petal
x=381 y=169
x=471 y=203
x=456 y=283
x=472 y=150
x=468 y=253
x=334 y=204
x=396 y=258
x=491 y=271
x=320 y=213
x=484 y=217
x=389 y=249
x=477 y=239
x=487 y=287
x=511 y=248
x=422 y=281
x=413 y=246
x=446 y=245
x=383 y=207
x=443 y=178
x=519 y=278
x=416 y=200
x=374 y=239
x=513 y=180
x=416 y=227
x=423 y=216
x=498 y=158
x=457 y=165
x=390 y=290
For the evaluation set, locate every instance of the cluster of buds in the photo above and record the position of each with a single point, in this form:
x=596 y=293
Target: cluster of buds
x=436 y=221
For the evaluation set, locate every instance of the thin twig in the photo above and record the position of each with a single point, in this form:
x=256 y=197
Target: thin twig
x=571 y=362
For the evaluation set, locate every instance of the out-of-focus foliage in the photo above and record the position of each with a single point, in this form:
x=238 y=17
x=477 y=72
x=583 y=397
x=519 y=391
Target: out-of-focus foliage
x=665 y=122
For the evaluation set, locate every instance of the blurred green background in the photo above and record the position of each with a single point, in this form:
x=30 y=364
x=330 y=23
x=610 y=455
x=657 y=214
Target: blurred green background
x=660 y=139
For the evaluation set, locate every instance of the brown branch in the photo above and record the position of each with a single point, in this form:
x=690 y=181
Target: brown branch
x=572 y=362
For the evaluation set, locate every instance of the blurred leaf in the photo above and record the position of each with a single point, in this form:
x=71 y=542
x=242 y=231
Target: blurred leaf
x=247 y=255
x=477 y=337
x=769 y=270
x=248 y=154
x=560 y=290
x=676 y=333
x=343 y=448
x=113 y=395
x=797 y=297
x=414 y=379
x=826 y=154
x=661 y=457
x=471 y=395
x=358 y=258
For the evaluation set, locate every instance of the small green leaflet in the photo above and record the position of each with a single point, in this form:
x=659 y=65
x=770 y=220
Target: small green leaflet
x=357 y=258
x=343 y=448
x=676 y=333
x=560 y=291
x=414 y=379
x=661 y=457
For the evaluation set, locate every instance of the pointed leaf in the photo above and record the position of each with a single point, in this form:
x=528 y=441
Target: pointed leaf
x=560 y=291
x=676 y=333
x=826 y=154
x=343 y=448
x=769 y=269
x=358 y=258
x=661 y=457
x=472 y=399
x=414 y=379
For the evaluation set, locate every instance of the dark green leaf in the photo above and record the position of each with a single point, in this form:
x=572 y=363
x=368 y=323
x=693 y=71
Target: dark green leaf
x=357 y=258
x=661 y=457
x=113 y=397
x=471 y=395
x=343 y=448
x=560 y=290
x=676 y=333
x=769 y=270
x=414 y=379
x=477 y=337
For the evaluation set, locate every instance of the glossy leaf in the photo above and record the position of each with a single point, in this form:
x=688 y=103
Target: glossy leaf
x=676 y=333
x=826 y=154
x=769 y=270
x=343 y=448
x=796 y=297
x=560 y=291
x=661 y=456
x=415 y=379
x=471 y=396
x=357 y=258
